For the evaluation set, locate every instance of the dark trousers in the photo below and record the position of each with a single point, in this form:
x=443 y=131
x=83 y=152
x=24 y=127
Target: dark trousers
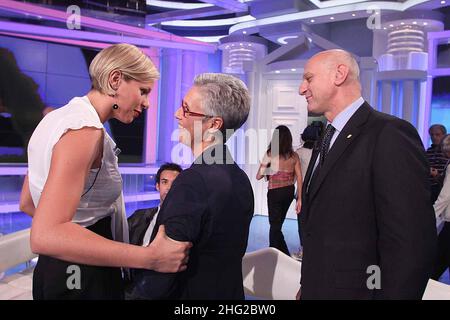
x=55 y=279
x=443 y=258
x=435 y=190
x=278 y=202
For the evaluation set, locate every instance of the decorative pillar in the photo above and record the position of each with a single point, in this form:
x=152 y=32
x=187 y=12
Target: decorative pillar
x=402 y=52
x=151 y=121
x=178 y=70
x=170 y=98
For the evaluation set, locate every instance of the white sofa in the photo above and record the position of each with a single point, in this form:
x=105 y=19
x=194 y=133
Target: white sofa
x=15 y=250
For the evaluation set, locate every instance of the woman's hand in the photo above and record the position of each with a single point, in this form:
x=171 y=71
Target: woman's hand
x=166 y=254
x=298 y=206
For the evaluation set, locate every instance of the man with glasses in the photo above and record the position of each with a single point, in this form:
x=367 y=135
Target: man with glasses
x=211 y=203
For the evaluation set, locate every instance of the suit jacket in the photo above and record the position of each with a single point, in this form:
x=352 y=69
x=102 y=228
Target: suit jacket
x=210 y=205
x=138 y=224
x=369 y=205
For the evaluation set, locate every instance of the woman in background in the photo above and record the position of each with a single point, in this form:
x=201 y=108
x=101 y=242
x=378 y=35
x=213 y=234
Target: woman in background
x=281 y=166
x=73 y=188
x=442 y=211
x=309 y=137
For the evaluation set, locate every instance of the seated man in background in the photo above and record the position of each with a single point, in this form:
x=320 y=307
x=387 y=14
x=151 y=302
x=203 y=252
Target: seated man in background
x=142 y=221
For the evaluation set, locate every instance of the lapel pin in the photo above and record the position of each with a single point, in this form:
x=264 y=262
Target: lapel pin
x=349 y=136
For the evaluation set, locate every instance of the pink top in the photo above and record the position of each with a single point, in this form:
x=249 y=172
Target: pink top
x=281 y=179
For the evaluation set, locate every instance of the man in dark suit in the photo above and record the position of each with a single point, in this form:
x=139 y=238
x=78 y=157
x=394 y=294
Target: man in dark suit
x=142 y=221
x=211 y=203
x=368 y=224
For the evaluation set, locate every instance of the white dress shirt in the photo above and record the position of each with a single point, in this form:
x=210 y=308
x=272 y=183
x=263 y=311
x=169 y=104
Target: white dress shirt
x=339 y=123
x=148 y=233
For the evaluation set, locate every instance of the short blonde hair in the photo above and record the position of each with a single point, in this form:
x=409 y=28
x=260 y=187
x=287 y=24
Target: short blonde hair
x=126 y=58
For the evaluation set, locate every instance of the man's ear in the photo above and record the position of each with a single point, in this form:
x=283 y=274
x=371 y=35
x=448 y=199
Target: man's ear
x=115 y=78
x=214 y=130
x=216 y=123
x=341 y=74
x=157 y=186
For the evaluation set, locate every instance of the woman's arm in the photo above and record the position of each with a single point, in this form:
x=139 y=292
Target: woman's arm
x=53 y=233
x=26 y=204
x=262 y=171
x=299 y=180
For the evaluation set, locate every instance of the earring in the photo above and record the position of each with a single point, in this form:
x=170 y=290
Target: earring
x=115 y=106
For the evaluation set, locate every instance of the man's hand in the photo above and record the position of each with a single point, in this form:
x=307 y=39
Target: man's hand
x=299 y=294
x=166 y=254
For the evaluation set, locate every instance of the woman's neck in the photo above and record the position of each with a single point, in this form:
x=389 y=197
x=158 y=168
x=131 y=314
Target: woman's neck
x=101 y=104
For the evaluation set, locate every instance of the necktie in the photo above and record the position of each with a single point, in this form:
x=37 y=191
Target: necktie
x=325 y=145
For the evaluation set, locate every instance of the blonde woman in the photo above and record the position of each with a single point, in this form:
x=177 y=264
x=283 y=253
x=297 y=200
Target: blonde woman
x=74 y=189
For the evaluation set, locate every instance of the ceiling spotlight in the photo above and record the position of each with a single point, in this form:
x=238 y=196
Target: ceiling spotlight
x=391 y=25
x=425 y=23
x=293 y=70
x=353 y=15
x=402 y=23
x=278 y=71
x=414 y=22
x=227 y=47
x=241 y=44
x=244 y=32
x=331 y=18
x=249 y=44
x=443 y=2
x=312 y=20
x=384 y=28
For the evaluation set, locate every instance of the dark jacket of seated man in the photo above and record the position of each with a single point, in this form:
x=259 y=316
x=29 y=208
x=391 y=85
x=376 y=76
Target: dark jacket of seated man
x=210 y=205
x=138 y=224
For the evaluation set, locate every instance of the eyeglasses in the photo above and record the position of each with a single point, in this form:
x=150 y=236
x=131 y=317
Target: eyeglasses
x=194 y=114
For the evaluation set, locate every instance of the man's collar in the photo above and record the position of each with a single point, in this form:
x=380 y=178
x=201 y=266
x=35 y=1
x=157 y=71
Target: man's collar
x=342 y=118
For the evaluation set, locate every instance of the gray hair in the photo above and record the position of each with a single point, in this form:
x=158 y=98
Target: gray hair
x=224 y=96
x=445 y=144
